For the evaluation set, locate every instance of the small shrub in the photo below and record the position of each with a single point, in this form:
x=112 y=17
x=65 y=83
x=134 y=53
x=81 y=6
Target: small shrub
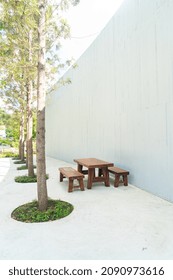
x=7 y=155
x=29 y=212
x=9 y=142
x=5 y=142
x=27 y=179
x=10 y=154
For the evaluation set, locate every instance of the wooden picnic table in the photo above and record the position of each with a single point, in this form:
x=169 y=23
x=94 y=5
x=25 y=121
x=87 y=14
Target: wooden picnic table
x=92 y=164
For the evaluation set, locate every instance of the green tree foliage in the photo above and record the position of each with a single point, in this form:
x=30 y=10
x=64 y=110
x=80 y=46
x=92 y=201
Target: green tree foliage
x=26 y=63
x=11 y=123
x=4 y=117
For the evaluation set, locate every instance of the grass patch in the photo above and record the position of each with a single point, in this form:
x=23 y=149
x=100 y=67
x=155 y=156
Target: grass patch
x=27 y=179
x=16 y=157
x=29 y=212
x=24 y=167
x=19 y=161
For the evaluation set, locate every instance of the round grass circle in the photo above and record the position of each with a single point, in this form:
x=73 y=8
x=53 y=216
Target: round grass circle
x=24 y=167
x=27 y=179
x=19 y=162
x=29 y=212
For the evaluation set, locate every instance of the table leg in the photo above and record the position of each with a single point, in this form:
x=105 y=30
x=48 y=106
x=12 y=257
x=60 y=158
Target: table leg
x=100 y=173
x=106 y=176
x=61 y=177
x=91 y=172
x=79 y=168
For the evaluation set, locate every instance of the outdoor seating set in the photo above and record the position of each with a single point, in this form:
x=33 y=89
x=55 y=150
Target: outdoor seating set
x=92 y=164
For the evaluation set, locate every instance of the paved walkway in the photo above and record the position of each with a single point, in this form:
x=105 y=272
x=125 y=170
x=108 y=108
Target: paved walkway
x=106 y=224
x=4 y=167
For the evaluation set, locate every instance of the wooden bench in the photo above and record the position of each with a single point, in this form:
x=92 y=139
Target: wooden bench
x=72 y=174
x=119 y=172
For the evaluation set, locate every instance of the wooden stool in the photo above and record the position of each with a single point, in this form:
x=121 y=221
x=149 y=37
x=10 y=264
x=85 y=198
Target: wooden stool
x=71 y=174
x=119 y=172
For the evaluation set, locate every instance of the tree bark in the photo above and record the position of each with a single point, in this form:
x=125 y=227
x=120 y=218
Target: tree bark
x=29 y=118
x=29 y=132
x=40 y=138
x=22 y=138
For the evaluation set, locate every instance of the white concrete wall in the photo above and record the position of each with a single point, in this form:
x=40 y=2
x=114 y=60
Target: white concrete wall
x=119 y=106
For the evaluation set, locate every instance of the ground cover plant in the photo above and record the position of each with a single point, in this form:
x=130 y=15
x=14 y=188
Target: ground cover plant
x=27 y=179
x=29 y=212
x=19 y=161
x=16 y=157
x=24 y=167
x=8 y=155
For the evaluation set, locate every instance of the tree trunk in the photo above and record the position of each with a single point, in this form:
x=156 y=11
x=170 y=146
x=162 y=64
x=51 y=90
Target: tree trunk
x=29 y=132
x=40 y=138
x=27 y=89
x=29 y=119
x=22 y=140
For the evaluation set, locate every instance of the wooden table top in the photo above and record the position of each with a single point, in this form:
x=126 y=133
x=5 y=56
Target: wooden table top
x=93 y=162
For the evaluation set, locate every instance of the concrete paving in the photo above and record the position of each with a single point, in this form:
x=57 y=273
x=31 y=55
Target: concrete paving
x=106 y=224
